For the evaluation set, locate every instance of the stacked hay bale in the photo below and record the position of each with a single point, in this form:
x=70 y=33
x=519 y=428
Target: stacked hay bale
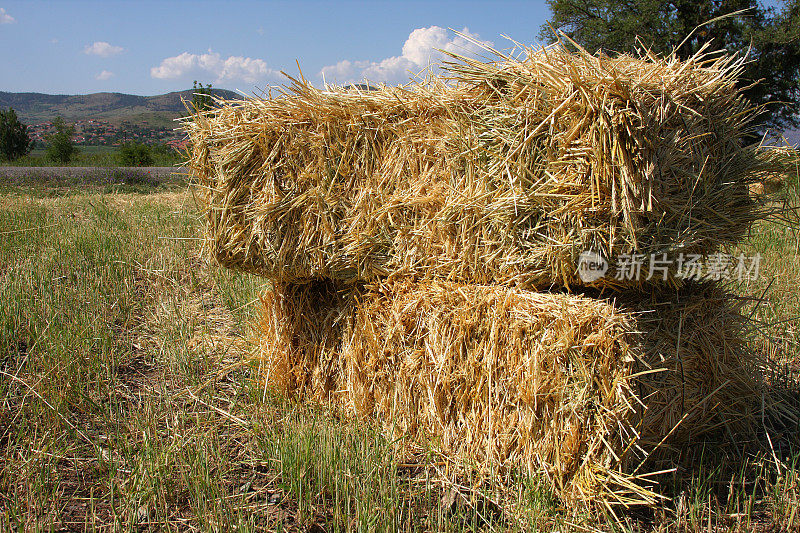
x=407 y=231
x=582 y=390
x=504 y=178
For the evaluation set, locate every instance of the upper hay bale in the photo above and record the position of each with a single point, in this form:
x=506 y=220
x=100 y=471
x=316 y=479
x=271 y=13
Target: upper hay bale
x=578 y=390
x=503 y=172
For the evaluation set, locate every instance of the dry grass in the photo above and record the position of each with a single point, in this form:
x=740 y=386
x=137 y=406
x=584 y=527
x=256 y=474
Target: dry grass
x=404 y=229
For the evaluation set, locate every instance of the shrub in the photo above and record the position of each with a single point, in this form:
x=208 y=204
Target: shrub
x=60 y=146
x=133 y=154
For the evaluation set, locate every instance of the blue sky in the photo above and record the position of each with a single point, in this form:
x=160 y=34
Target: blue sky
x=71 y=47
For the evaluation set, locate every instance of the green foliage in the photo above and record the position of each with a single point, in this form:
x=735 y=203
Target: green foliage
x=201 y=97
x=133 y=154
x=166 y=155
x=163 y=155
x=14 y=140
x=60 y=147
x=771 y=36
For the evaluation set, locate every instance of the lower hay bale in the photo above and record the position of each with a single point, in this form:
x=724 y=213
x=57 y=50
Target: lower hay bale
x=499 y=377
x=579 y=390
x=301 y=337
x=700 y=378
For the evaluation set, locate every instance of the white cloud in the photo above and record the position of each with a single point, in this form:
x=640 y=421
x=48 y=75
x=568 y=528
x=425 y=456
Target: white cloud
x=5 y=18
x=104 y=75
x=102 y=49
x=344 y=70
x=232 y=68
x=423 y=48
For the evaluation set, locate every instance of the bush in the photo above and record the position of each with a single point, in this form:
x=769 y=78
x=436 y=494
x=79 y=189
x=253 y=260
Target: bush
x=60 y=146
x=165 y=155
x=133 y=154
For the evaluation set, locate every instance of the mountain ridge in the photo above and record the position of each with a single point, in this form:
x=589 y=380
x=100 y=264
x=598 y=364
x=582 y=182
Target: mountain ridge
x=115 y=107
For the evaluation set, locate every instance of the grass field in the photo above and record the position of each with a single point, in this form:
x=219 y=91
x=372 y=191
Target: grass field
x=130 y=398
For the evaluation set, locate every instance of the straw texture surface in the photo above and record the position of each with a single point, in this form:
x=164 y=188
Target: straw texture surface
x=502 y=173
x=581 y=390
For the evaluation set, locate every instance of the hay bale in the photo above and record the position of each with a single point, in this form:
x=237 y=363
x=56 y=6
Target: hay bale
x=503 y=173
x=580 y=390
x=700 y=377
x=301 y=333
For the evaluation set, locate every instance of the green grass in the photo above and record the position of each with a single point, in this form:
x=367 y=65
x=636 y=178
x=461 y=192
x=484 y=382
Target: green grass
x=129 y=399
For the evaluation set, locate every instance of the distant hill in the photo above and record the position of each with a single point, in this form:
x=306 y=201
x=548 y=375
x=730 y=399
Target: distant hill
x=160 y=110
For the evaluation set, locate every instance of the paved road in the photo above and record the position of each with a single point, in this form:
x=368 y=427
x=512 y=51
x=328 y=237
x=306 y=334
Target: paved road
x=55 y=173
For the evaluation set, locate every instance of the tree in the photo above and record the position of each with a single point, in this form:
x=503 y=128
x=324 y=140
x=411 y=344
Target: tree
x=772 y=37
x=14 y=140
x=133 y=154
x=60 y=146
x=201 y=97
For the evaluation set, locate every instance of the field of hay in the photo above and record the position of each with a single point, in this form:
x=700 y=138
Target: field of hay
x=130 y=397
